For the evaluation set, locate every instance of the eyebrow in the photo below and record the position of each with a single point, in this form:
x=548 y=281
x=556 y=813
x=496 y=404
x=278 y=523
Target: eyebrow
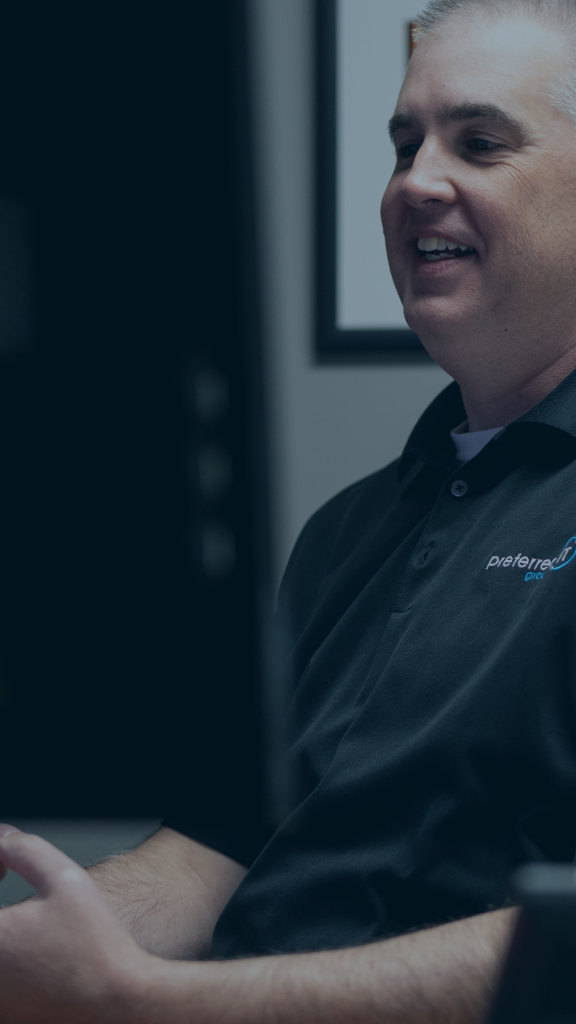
x=460 y=112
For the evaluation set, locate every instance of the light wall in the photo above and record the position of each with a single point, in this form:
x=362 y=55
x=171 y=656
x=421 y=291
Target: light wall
x=331 y=425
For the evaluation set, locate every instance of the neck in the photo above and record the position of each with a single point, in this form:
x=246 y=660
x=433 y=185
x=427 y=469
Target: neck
x=494 y=403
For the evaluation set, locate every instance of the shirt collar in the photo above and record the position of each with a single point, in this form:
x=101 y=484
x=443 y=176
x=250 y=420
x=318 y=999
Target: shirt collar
x=430 y=440
x=558 y=409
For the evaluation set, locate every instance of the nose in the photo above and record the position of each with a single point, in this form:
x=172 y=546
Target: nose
x=430 y=178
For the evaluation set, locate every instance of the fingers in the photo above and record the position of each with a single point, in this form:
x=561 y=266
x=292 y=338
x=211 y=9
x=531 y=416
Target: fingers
x=40 y=863
x=5 y=830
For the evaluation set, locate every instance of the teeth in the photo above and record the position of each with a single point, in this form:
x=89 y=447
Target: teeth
x=440 y=244
x=427 y=244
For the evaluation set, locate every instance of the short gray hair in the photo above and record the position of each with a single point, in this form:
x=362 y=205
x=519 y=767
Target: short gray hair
x=560 y=13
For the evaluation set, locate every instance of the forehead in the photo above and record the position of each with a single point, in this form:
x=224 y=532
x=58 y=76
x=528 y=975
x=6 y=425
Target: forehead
x=508 y=62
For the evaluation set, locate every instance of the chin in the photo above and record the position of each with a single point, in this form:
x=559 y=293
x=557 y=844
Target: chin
x=436 y=318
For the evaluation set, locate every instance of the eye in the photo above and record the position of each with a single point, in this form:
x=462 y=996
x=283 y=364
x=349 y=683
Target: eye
x=408 y=151
x=481 y=145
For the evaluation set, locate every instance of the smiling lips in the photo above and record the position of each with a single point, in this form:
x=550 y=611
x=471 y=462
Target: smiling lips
x=433 y=249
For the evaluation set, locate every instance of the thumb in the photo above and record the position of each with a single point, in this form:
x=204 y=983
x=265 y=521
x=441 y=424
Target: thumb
x=5 y=830
x=37 y=861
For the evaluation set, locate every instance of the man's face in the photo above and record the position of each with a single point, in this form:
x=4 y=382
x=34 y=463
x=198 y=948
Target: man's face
x=501 y=185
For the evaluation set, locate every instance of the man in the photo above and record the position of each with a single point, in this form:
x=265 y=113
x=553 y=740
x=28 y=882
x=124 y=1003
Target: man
x=432 y=604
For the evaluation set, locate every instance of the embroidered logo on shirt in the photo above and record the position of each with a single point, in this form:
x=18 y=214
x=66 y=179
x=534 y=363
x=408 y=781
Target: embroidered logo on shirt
x=536 y=566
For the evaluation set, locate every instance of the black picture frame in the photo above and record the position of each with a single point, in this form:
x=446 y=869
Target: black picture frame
x=332 y=343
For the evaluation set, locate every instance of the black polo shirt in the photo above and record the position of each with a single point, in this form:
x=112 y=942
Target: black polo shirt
x=433 y=608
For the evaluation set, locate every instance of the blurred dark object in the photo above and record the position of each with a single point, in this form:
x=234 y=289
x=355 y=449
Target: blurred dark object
x=538 y=985
x=134 y=542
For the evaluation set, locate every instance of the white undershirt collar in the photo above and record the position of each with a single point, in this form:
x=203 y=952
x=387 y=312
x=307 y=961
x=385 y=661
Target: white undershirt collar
x=469 y=442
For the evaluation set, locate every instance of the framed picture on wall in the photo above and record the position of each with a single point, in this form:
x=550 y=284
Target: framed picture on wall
x=363 y=48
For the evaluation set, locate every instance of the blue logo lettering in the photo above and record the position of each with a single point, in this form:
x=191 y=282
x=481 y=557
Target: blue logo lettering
x=566 y=555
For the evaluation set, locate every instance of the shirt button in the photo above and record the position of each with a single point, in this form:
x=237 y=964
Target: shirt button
x=459 y=488
x=425 y=555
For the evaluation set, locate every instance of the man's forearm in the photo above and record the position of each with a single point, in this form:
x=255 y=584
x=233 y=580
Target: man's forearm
x=169 y=893
x=444 y=975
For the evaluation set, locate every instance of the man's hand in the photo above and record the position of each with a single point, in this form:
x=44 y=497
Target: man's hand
x=64 y=957
x=4 y=830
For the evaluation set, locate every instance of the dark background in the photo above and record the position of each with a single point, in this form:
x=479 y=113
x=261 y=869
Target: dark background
x=130 y=673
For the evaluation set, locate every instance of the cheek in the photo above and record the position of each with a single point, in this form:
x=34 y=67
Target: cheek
x=532 y=214
x=392 y=215
x=553 y=209
x=392 y=211
x=390 y=208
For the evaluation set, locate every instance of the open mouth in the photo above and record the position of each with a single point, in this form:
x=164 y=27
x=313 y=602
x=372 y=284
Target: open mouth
x=432 y=249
